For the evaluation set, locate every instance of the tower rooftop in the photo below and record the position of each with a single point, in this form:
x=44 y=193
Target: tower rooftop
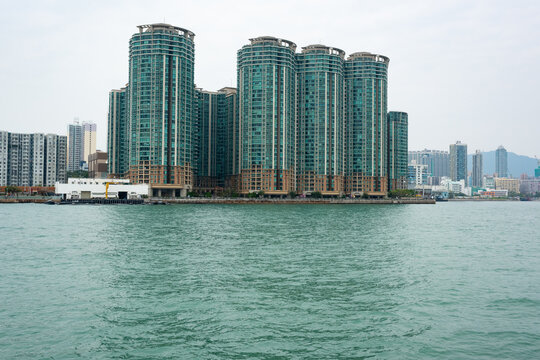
x=327 y=49
x=277 y=41
x=166 y=27
x=368 y=55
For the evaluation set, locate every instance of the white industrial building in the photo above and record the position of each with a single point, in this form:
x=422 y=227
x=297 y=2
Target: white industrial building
x=81 y=188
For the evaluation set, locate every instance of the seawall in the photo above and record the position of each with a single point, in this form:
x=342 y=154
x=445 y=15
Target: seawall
x=286 y=201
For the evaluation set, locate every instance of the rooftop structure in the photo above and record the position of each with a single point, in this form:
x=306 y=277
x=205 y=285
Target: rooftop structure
x=167 y=28
x=318 y=48
x=274 y=41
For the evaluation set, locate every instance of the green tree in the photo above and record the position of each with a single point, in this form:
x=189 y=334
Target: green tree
x=292 y=194
x=12 y=189
x=77 y=174
x=401 y=193
x=316 y=195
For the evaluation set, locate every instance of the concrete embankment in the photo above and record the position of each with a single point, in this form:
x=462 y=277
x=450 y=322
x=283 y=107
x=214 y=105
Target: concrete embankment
x=239 y=201
x=15 y=200
x=286 y=201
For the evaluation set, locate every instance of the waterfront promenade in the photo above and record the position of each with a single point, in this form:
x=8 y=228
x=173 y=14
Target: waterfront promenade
x=240 y=201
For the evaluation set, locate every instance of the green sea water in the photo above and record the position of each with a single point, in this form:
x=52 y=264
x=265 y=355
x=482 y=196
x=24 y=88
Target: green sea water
x=456 y=280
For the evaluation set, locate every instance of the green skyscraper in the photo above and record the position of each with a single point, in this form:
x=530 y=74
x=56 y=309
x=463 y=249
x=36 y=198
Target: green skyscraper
x=397 y=150
x=366 y=82
x=266 y=110
x=161 y=93
x=118 y=134
x=320 y=71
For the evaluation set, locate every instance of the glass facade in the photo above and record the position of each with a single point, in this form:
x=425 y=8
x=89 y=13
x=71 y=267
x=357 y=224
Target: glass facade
x=477 y=169
x=366 y=82
x=230 y=143
x=75 y=146
x=118 y=135
x=161 y=110
x=501 y=162
x=397 y=149
x=214 y=136
x=305 y=122
x=266 y=110
x=458 y=161
x=320 y=71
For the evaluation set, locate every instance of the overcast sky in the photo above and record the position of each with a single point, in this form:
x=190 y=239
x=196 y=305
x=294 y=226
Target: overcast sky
x=463 y=70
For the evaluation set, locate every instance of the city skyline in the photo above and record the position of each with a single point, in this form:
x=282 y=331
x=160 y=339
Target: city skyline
x=309 y=121
x=427 y=60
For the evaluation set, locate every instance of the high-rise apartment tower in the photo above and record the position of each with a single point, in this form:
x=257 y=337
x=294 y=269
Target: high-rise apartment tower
x=397 y=150
x=458 y=161
x=161 y=89
x=266 y=110
x=75 y=146
x=366 y=83
x=477 y=169
x=118 y=136
x=501 y=162
x=319 y=153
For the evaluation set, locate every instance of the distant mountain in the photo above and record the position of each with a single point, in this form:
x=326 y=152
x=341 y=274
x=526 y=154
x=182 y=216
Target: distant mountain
x=517 y=164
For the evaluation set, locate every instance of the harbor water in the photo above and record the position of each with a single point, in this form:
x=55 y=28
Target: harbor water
x=456 y=280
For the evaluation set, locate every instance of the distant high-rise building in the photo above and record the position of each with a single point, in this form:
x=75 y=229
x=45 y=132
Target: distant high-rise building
x=20 y=159
x=417 y=174
x=118 y=136
x=4 y=143
x=438 y=161
x=477 y=169
x=161 y=111
x=366 y=83
x=501 y=162
x=320 y=71
x=89 y=140
x=397 y=150
x=537 y=170
x=32 y=159
x=488 y=182
x=75 y=146
x=266 y=110
x=39 y=172
x=458 y=161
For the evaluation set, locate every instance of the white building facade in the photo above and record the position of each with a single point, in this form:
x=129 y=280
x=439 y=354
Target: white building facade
x=83 y=188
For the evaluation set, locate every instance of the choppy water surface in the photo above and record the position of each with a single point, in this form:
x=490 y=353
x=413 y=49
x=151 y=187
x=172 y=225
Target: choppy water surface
x=452 y=280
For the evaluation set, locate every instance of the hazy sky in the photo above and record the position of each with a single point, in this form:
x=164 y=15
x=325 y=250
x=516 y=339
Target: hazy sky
x=463 y=70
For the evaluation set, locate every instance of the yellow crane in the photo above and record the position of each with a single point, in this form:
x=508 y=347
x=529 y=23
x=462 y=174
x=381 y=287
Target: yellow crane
x=107 y=187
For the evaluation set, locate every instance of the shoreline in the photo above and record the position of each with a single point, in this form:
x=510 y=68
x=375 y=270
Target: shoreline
x=247 y=201
x=242 y=201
